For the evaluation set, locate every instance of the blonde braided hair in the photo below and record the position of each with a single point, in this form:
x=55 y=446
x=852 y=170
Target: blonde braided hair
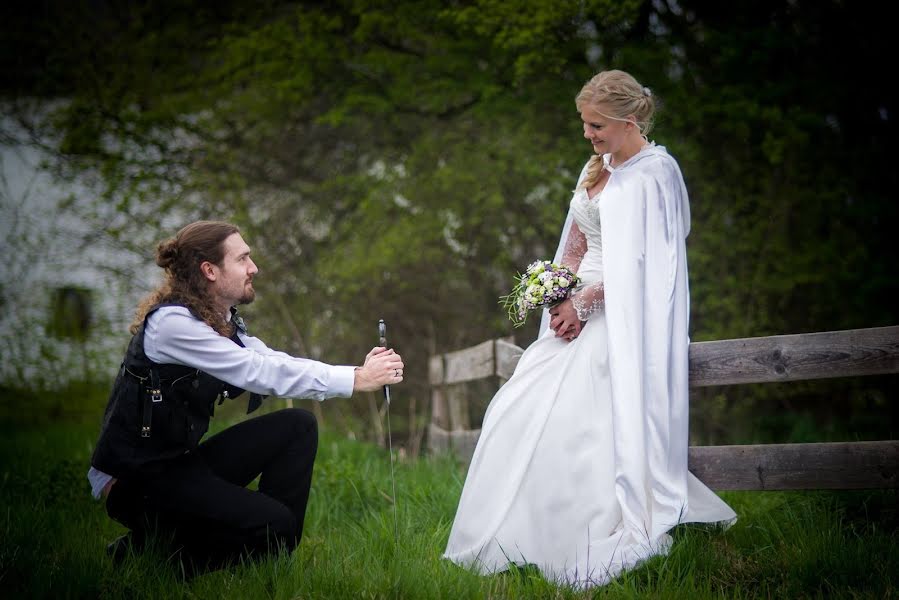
x=620 y=95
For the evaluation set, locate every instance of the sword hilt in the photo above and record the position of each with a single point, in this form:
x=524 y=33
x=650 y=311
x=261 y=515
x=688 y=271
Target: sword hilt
x=382 y=341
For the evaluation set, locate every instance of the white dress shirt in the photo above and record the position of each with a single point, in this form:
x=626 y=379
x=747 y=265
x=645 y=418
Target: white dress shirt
x=174 y=336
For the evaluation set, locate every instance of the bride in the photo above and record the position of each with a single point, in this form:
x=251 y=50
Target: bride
x=581 y=466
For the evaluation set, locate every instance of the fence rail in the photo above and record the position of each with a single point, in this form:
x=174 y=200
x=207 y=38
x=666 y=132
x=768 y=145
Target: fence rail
x=844 y=465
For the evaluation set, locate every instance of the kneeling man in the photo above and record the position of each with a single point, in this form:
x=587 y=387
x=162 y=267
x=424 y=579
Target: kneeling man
x=190 y=350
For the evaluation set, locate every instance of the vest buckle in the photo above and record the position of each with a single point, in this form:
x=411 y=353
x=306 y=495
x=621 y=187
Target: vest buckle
x=155 y=395
x=145 y=431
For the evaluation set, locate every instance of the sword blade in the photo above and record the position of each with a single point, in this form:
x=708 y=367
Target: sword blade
x=396 y=531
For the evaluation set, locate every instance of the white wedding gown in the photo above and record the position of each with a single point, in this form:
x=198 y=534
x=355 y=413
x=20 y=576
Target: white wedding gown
x=541 y=487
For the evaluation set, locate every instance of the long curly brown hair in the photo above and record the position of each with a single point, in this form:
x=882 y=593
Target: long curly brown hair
x=181 y=257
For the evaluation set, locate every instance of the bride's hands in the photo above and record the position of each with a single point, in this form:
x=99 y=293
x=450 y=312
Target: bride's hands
x=564 y=320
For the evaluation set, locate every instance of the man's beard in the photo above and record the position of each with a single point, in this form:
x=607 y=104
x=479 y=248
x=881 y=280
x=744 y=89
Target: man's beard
x=248 y=296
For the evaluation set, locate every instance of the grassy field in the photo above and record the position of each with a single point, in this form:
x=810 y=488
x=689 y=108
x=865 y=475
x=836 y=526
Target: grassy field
x=785 y=545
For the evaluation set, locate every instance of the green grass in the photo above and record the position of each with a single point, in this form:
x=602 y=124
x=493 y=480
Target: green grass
x=785 y=545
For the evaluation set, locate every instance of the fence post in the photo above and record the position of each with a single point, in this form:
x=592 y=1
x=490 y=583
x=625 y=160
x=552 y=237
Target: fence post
x=438 y=438
x=457 y=402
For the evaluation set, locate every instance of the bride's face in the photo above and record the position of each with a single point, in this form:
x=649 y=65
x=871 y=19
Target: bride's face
x=607 y=135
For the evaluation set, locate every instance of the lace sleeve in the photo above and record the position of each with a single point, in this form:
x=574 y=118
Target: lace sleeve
x=575 y=248
x=589 y=300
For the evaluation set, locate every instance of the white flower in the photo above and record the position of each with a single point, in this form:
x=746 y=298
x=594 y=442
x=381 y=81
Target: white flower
x=535 y=267
x=563 y=282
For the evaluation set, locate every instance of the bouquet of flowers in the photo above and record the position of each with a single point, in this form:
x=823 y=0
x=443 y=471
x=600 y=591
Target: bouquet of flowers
x=543 y=285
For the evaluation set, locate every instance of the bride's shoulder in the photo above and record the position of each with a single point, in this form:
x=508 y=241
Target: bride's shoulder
x=658 y=166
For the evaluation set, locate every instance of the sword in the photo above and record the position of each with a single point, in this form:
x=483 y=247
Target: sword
x=382 y=341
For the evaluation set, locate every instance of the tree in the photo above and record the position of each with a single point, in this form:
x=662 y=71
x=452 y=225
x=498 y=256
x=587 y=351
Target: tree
x=403 y=160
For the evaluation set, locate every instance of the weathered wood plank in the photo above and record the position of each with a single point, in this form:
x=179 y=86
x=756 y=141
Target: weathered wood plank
x=873 y=351
x=770 y=467
x=460 y=443
x=828 y=466
x=469 y=364
x=507 y=355
x=464 y=443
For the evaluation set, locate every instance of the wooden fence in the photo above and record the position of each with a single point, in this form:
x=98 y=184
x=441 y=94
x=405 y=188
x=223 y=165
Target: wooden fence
x=850 y=465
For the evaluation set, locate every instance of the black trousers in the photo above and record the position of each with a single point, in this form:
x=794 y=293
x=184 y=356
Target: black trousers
x=200 y=500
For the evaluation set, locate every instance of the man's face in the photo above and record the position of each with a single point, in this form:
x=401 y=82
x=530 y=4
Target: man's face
x=233 y=283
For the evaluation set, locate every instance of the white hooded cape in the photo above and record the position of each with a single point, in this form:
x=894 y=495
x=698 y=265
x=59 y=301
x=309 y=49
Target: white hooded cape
x=645 y=220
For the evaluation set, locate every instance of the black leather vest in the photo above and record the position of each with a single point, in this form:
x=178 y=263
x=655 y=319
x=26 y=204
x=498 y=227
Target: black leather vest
x=157 y=412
